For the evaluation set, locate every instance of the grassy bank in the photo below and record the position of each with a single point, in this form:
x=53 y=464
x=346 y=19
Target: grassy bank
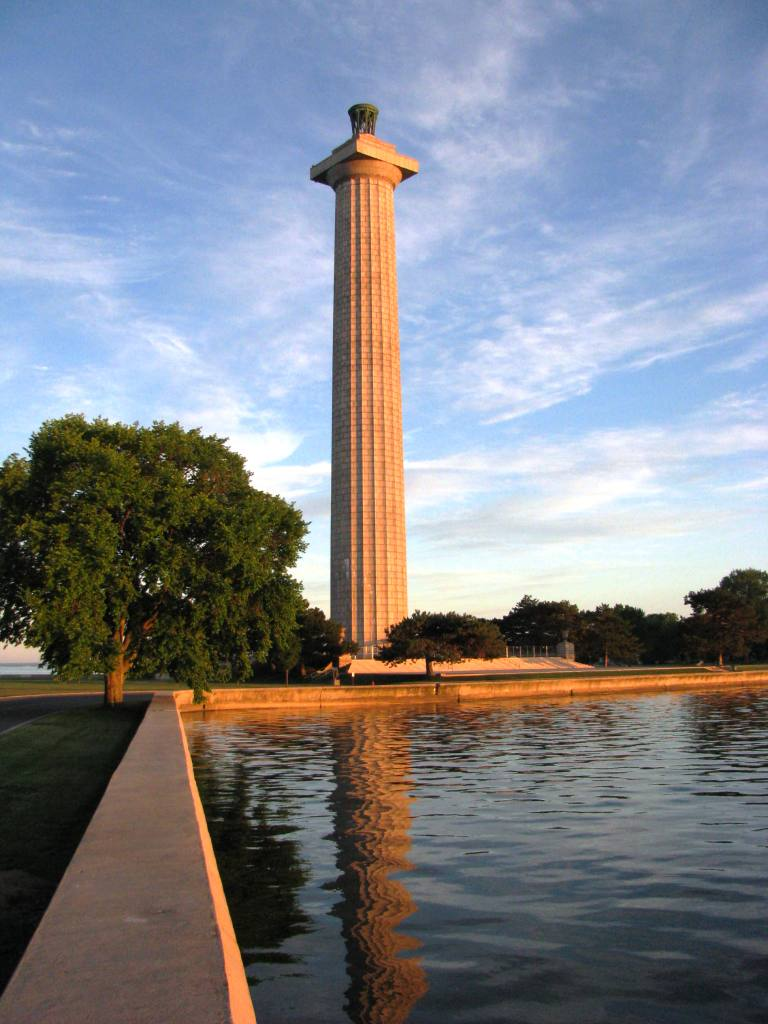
x=31 y=686
x=35 y=686
x=53 y=773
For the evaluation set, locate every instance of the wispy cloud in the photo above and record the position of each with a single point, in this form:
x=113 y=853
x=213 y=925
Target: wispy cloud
x=642 y=481
x=30 y=251
x=591 y=306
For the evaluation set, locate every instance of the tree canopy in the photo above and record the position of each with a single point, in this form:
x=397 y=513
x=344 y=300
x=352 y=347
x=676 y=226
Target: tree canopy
x=534 y=623
x=658 y=633
x=321 y=640
x=441 y=636
x=731 y=619
x=123 y=545
x=605 y=635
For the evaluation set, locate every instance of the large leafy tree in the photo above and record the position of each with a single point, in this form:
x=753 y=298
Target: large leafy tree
x=731 y=619
x=534 y=623
x=123 y=545
x=441 y=636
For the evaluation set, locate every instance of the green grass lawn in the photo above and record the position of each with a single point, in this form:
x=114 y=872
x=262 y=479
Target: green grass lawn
x=17 y=686
x=32 y=686
x=53 y=773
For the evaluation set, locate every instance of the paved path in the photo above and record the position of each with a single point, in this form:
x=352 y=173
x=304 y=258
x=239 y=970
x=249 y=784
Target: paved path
x=16 y=711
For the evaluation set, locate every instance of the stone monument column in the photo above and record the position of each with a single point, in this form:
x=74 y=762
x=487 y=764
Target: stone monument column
x=368 y=566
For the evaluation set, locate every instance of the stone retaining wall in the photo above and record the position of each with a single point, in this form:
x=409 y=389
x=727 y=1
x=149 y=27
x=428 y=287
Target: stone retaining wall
x=459 y=691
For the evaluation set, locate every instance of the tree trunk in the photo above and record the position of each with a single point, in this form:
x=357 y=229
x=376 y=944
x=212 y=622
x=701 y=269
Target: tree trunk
x=720 y=658
x=605 y=658
x=286 y=676
x=430 y=668
x=114 y=683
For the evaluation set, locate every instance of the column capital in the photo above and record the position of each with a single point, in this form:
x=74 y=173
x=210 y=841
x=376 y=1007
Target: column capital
x=364 y=156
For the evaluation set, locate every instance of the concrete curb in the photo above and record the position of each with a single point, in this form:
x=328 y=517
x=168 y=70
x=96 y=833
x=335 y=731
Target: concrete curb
x=240 y=1003
x=138 y=930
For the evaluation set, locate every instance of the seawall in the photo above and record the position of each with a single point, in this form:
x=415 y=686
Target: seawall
x=457 y=691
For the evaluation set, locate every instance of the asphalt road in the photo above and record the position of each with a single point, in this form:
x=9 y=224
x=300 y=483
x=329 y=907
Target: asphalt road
x=20 y=710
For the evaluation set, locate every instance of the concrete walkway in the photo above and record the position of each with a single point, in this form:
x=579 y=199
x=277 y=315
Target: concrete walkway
x=138 y=930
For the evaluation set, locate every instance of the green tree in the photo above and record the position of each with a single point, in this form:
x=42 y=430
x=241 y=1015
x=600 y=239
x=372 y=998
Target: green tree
x=605 y=635
x=277 y=623
x=286 y=654
x=731 y=619
x=321 y=639
x=661 y=638
x=123 y=545
x=659 y=634
x=441 y=636
x=534 y=623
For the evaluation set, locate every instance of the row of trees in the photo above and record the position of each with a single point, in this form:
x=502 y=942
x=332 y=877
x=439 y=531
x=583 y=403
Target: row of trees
x=726 y=622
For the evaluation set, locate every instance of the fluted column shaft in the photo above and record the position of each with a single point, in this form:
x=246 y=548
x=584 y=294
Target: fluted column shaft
x=368 y=558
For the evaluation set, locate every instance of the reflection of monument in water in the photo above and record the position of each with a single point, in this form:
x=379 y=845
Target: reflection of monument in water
x=368 y=571
x=372 y=818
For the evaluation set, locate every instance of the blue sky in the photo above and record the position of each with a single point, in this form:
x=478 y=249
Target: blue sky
x=583 y=268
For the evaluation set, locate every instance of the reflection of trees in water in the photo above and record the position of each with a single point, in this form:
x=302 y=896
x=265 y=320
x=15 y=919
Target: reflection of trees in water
x=720 y=721
x=260 y=866
x=371 y=815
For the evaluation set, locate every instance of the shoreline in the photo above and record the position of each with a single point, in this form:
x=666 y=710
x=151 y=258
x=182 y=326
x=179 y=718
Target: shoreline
x=458 y=691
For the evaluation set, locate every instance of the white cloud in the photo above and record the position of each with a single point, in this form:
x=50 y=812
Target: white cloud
x=759 y=483
x=297 y=482
x=266 y=262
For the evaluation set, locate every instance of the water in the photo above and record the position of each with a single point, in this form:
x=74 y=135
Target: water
x=579 y=861
x=10 y=668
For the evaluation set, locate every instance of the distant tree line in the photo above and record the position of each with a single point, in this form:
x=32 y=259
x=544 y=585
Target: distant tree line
x=726 y=623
